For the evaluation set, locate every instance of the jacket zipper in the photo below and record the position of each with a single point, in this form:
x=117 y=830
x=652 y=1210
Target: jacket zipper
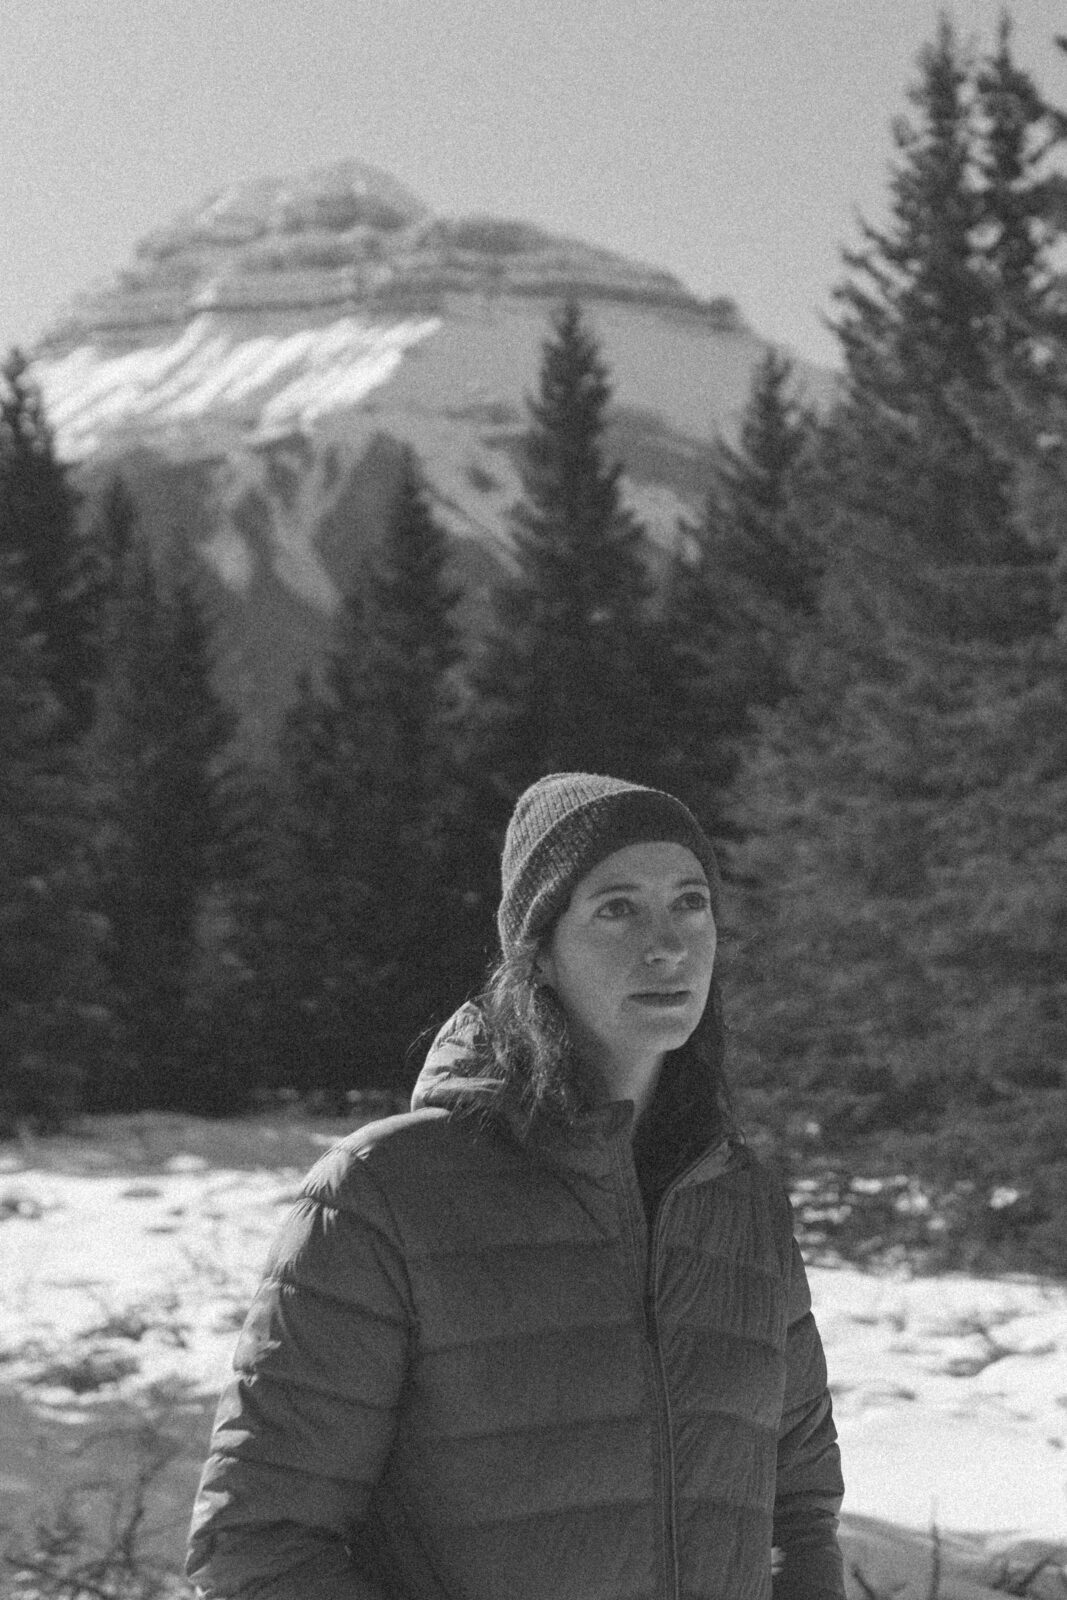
x=671 y=1574
x=646 y=1280
x=672 y=1583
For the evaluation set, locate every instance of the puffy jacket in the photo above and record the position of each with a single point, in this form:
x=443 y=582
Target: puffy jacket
x=474 y=1371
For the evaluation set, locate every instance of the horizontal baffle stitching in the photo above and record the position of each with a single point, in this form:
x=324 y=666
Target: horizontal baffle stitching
x=684 y=1247
x=307 y=1286
x=729 y=1335
x=749 y=1508
x=285 y=1381
x=535 y=1336
x=505 y=1246
x=341 y=1207
x=578 y=1508
x=537 y=1427
x=290 y=1466
x=705 y=1413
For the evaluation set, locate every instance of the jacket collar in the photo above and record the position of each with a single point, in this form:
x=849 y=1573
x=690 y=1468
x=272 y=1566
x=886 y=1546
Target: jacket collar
x=453 y=1078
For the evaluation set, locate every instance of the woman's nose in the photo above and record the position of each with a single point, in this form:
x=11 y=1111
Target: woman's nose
x=665 y=944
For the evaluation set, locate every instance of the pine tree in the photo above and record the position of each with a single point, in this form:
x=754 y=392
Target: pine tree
x=113 y=534
x=302 y=935
x=760 y=557
x=753 y=524
x=853 y=797
x=914 y=312
x=48 y=979
x=833 y=1000
x=1003 y=891
x=53 y=562
x=738 y=592
x=586 y=662
x=157 y=757
x=931 y=310
x=694 y=687
x=556 y=681
x=1019 y=132
x=368 y=927
x=571 y=672
x=396 y=661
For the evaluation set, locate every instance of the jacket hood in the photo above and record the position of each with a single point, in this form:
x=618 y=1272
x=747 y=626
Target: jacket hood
x=453 y=1078
x=450 y=1075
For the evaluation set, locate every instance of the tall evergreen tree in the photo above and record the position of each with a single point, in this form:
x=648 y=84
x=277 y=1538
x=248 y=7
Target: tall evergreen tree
x=113 y=534
x=1018 y=133
x=935 y=607
x=49 y=983
x=753 y=520
x=301 y=928
x=911 y=309
x=740 y=590
x=915 y=310
x=54 y=563
x=556 y=683
x=368 y=926
x=157 y=758
x=693 y=716
x=759 y=551
x=1003 y=895
x=574 y=670
x=837 y=801
x=586 y=663
x=396 y=662
x=933 y=306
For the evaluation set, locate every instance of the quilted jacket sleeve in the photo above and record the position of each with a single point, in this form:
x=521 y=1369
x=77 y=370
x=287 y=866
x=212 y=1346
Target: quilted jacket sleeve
x=304 y=1428
x=808 y=1488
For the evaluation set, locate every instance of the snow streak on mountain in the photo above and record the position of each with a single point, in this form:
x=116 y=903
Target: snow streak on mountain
x=275 y=383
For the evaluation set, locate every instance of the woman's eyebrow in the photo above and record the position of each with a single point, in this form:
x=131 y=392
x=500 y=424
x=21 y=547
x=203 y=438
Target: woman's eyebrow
x=635 y=888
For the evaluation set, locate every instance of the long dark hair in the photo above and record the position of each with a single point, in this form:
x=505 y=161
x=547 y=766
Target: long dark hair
x=526 y=1050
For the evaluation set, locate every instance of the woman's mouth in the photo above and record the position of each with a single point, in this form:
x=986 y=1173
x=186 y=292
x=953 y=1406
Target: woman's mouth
x=669 y=998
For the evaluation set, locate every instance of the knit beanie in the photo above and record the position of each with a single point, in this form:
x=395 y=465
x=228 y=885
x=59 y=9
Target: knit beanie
x=563 y=825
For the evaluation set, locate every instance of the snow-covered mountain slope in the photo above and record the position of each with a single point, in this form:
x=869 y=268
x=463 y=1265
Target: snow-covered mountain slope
x=255 y=370
x=283 y=381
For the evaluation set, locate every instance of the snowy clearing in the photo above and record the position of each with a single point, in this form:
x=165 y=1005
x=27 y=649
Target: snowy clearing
x=129 y=1254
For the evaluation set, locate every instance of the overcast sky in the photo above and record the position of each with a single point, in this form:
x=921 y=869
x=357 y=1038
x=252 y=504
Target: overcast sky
x=731 y=141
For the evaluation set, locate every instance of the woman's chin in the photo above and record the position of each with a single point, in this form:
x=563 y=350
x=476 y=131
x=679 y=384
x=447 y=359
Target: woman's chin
x=670 y=1031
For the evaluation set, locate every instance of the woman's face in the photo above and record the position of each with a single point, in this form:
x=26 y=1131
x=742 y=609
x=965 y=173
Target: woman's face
x=630 y=959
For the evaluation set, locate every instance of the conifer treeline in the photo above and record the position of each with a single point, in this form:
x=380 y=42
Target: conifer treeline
x=903 y=808
x=852 y=668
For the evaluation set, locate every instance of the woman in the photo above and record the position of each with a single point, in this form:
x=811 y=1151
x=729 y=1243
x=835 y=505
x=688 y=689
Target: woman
x=548 y=1334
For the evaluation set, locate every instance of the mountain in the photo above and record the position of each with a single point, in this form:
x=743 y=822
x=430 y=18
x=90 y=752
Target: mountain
x=254 y=372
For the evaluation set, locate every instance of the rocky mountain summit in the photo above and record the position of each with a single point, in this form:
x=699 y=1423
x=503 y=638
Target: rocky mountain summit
x=350 y=237
x=255 y=370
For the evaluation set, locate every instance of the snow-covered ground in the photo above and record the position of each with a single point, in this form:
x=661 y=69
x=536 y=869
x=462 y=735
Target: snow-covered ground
x=128 y=1256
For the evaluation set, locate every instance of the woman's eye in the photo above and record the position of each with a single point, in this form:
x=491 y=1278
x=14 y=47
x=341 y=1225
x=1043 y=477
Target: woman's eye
x=615 y=908
x=696 y=900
